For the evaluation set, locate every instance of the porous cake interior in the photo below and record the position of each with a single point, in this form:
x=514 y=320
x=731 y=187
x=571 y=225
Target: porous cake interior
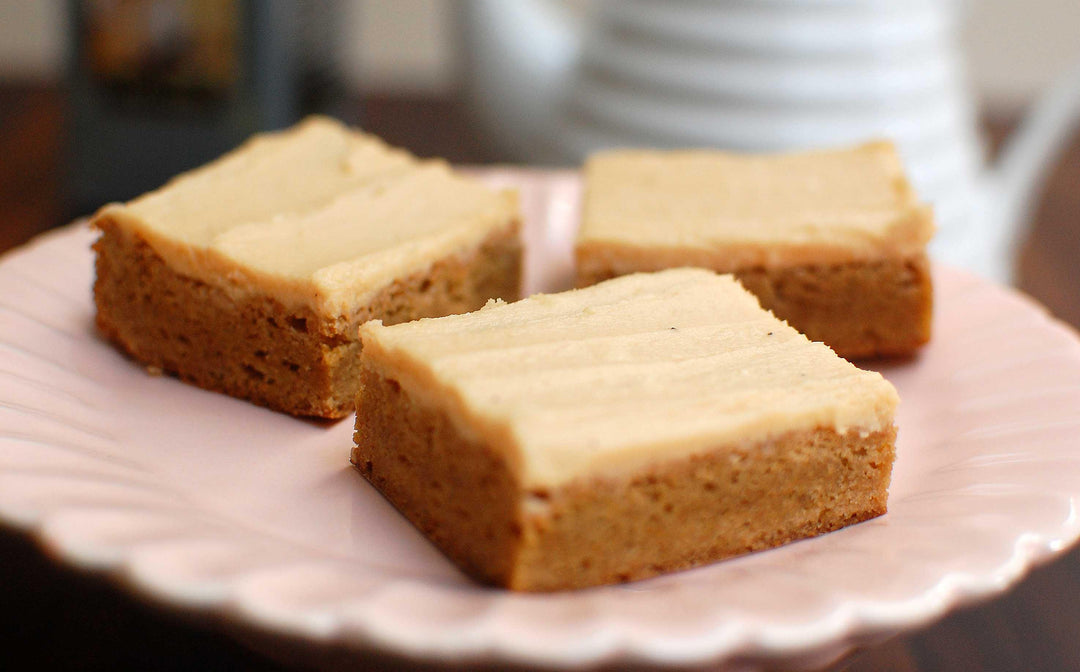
x=645 y=424
x=831 y=241
x=251 y=274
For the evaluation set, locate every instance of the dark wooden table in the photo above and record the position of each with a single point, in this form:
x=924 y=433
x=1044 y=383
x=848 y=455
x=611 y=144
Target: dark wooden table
x=61 y=619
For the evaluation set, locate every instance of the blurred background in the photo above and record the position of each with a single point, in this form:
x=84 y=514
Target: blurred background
x=101 y=100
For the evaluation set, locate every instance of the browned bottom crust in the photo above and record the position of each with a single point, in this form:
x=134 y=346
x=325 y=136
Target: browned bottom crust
x=677 y=514
x=865 y=309
x=291 y=360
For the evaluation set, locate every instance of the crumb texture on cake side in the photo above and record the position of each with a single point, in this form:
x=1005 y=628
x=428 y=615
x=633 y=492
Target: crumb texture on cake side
x=680 y=514
x=866 y=309
x=256 y=348
x=806 y=231
x=602 y=435
x=250 y=275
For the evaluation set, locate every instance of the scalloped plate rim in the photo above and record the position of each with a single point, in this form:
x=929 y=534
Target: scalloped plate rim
x=858 y=620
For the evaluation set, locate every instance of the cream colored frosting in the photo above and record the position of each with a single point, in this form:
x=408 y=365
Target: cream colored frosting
x=756 y=210
x=636 y=369
x=317 y=215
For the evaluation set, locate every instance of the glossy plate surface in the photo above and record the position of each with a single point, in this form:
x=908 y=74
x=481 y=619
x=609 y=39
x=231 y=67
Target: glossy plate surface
x=202 y=501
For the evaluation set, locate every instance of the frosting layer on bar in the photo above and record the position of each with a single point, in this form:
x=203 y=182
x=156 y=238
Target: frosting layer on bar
x=832 y=206
x=318 y=215
x=626 y=372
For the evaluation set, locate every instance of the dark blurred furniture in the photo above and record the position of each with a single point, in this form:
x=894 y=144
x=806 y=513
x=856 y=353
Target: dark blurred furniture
x=60 y=619
x=157 y=87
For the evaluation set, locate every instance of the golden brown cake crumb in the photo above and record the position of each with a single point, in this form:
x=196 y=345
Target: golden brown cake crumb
x=831 y=241
x=250 y=275
x=649 y=423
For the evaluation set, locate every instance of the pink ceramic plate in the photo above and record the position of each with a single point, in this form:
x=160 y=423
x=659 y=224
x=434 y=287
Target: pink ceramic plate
x=199 y=500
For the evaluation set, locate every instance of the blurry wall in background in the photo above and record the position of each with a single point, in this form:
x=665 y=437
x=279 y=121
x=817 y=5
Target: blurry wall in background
x=31 y=39
x=410 y=46
x=403 y=46
x=1017 y=47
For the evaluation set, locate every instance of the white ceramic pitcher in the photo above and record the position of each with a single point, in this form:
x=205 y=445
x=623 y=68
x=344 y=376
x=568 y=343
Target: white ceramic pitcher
x=764 y=75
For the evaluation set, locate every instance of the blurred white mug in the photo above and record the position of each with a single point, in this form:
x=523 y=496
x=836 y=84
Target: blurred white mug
x=766 y=75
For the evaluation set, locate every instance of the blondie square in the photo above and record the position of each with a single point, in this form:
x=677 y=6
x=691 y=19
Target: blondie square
x=648 y=423
x=250 y=275
x=832 y=241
